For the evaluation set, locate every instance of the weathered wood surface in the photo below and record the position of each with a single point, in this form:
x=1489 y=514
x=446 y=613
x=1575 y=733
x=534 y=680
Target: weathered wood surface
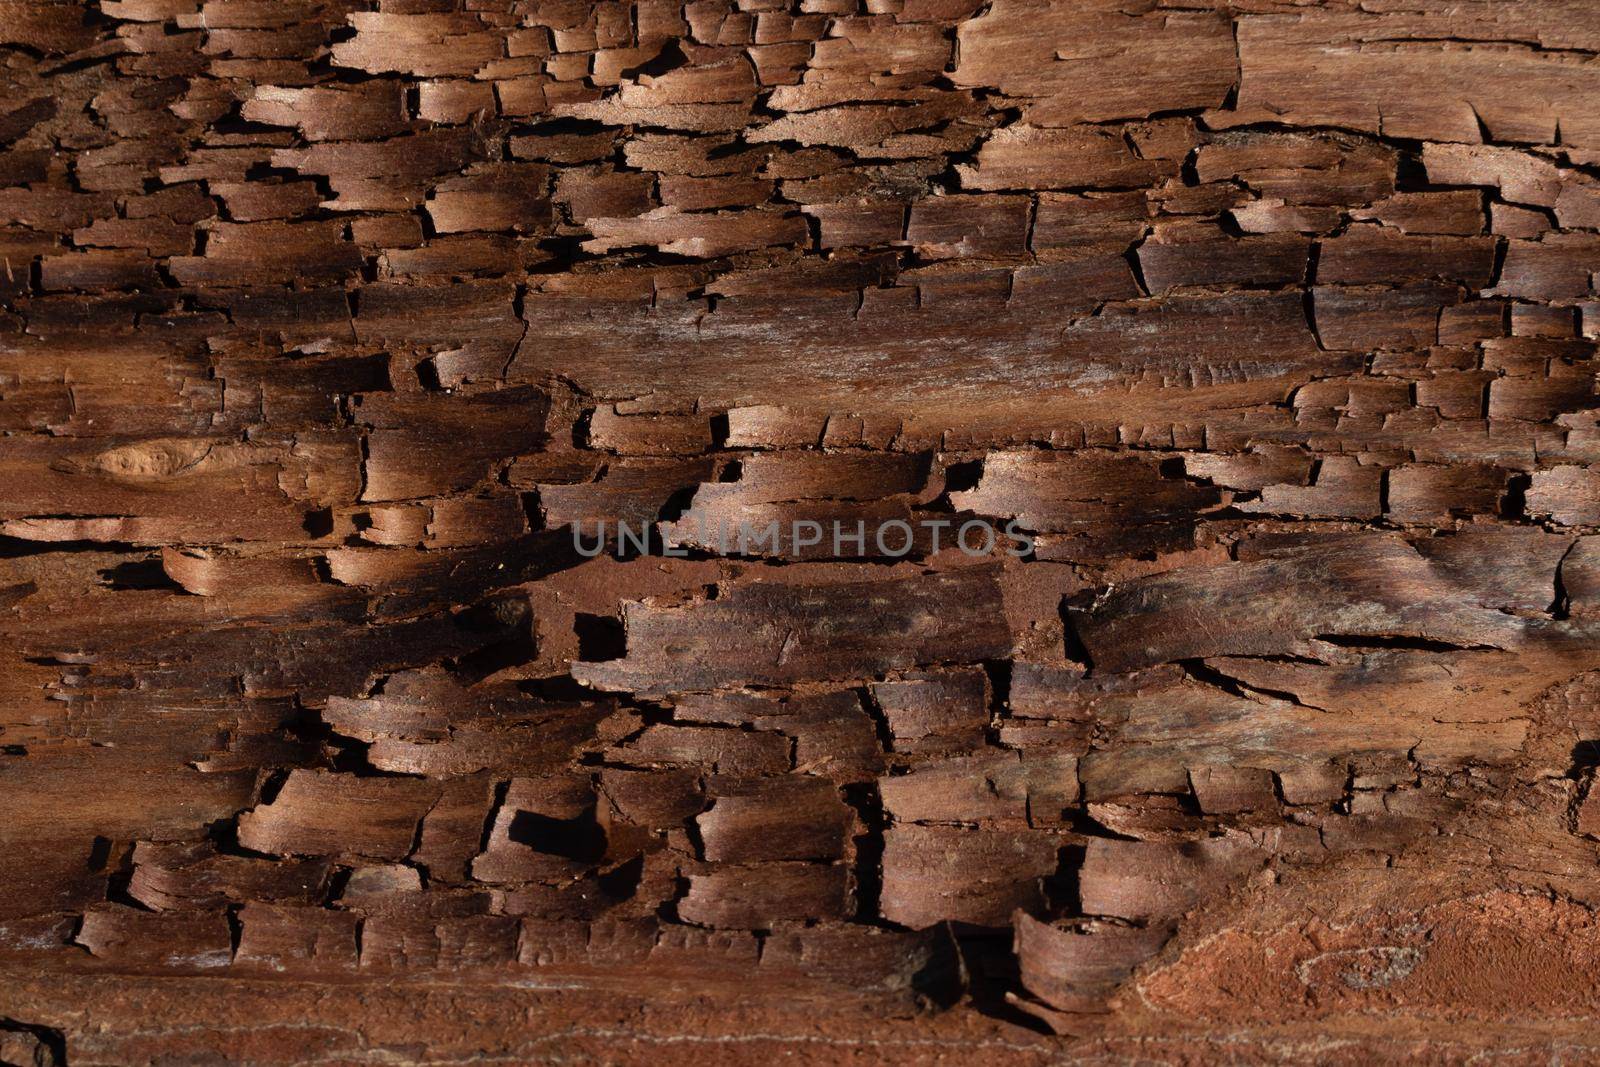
x=1271 y=326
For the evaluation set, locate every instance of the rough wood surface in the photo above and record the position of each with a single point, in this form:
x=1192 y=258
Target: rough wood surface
x=1258 y=335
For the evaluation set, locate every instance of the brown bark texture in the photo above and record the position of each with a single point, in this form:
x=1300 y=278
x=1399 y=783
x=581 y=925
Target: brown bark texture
x=1252 y=342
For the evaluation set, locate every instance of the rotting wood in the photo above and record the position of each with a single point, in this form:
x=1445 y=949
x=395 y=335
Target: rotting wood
x=1255 y=341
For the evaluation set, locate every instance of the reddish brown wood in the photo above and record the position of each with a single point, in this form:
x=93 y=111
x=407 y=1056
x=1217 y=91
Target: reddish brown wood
x=1254 y=340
